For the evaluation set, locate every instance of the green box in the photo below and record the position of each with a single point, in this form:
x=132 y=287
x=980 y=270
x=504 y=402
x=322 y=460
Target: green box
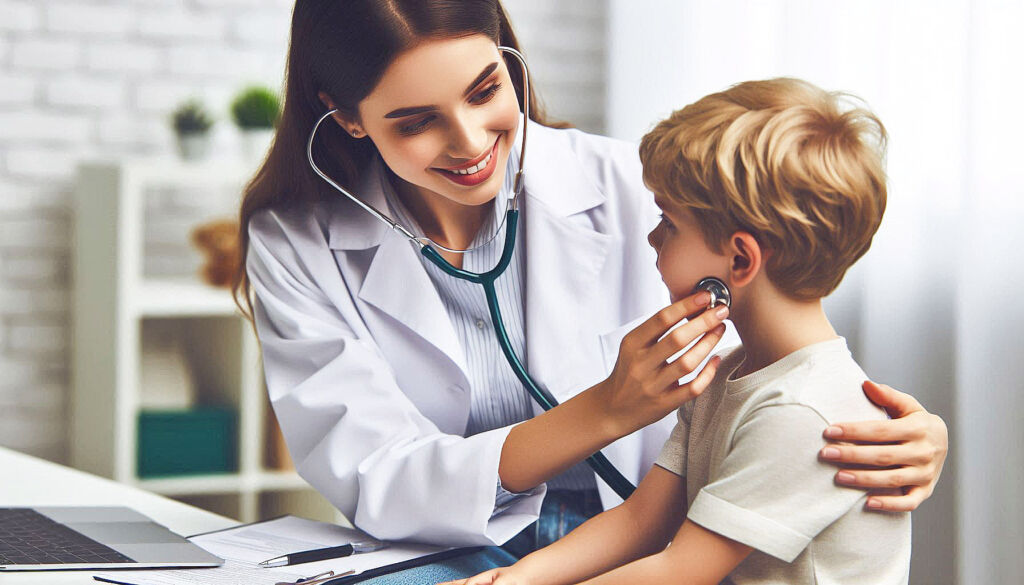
x=187 y=442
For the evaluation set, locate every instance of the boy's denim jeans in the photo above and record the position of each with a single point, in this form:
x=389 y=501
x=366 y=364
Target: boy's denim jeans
x=562 y=511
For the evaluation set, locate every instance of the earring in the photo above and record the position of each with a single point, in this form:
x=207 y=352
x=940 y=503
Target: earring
x=356 y=133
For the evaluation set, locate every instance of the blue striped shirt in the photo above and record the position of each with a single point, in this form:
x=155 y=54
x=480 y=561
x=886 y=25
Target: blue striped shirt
x=497 y=398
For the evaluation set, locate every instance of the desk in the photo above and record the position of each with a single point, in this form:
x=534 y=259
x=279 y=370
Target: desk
x=29 y=481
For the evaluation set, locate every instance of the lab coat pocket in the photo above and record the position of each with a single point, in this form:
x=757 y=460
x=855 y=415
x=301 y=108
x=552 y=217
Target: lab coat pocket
x=592 y=364
x=611 y=340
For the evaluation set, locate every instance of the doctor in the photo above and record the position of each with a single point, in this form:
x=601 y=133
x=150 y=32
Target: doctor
x=384 y=373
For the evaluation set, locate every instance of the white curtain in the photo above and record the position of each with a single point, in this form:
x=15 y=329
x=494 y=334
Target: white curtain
x=936 y=308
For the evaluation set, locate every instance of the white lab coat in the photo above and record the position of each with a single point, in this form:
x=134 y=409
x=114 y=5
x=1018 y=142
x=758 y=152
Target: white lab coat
x=364 y=368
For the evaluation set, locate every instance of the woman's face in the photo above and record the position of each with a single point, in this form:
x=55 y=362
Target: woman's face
x=444 y=118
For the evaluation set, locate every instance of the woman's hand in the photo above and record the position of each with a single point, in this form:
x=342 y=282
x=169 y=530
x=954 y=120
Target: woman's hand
x=906 y=452
x=644 y=386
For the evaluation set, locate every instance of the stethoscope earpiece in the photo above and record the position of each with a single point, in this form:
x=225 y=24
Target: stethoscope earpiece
x=720 y=294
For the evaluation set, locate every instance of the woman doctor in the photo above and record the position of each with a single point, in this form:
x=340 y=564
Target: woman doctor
x=393 y=396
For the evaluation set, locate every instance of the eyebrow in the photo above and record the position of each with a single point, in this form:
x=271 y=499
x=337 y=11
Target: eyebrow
x=479 y=78
x=403 y=112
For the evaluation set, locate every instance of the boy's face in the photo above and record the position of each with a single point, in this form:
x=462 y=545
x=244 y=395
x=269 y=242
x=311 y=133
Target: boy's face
x=683 y=256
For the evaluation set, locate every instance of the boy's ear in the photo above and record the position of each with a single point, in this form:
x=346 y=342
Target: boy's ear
x=746 y=258
x=350 y=125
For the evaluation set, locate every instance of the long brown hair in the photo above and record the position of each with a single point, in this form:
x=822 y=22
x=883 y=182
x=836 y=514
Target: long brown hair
x=342 y=48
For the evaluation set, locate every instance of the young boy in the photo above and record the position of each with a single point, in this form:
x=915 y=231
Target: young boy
x=775 y=188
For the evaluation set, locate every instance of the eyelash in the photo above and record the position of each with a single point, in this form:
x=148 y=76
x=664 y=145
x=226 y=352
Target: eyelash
x=482 y=97
x=666 y=221
x=485 y=96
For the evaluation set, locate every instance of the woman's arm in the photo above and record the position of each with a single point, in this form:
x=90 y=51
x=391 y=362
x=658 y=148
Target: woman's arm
x=642 y=388
x=906 y=452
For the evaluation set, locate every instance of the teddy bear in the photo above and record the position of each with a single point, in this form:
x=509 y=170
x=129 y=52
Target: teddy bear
x=218 y=240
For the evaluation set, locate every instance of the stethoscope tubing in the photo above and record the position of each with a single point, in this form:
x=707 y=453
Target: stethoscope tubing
x=598 y=462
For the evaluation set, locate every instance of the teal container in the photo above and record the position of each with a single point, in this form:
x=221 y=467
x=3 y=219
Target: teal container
x=187 y=442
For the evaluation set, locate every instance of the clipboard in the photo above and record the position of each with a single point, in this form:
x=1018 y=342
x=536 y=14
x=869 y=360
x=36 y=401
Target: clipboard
x=243 y=546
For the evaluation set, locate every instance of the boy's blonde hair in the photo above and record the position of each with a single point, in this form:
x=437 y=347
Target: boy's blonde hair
x=785 y=161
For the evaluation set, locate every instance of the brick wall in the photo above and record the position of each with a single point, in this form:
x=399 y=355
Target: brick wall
x=85 y=78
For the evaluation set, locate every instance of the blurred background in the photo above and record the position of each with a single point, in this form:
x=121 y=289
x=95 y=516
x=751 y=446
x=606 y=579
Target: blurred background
x=111 y=194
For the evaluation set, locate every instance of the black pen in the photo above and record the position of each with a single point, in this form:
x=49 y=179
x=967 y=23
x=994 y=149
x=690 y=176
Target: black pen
x=322 y=554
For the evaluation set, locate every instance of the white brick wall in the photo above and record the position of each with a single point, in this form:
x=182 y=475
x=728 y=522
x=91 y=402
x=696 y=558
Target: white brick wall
x=19 y=16
x=44 y=53
x=89 y=19
x=84 y=78
x=81 y=78
x=122 y=57
x=18 y=90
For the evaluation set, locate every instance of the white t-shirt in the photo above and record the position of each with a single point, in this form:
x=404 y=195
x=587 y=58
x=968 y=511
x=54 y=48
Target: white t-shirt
x=748 y=449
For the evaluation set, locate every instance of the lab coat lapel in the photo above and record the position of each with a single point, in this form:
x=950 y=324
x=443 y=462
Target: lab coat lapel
x=395 y=282
x=565 y=257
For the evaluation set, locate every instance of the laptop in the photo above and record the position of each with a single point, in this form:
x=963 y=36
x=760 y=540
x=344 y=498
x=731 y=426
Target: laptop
x=61 y=538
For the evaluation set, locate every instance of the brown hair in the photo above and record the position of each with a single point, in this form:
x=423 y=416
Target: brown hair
x=784 y=160
x=342 y=48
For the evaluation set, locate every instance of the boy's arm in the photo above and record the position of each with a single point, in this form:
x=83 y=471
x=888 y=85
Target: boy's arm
x=696 y=556
x=640 y=526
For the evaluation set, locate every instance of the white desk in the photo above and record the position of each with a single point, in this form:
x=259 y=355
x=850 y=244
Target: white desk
x=28 y=481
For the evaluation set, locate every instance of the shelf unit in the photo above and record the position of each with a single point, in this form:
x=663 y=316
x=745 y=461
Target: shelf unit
x=114 y=303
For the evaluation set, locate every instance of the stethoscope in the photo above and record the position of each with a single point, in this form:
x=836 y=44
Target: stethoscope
x=428 y=248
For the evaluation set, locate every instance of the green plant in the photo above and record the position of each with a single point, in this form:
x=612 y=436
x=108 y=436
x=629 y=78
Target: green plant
x=191 y=118
x=256 y=107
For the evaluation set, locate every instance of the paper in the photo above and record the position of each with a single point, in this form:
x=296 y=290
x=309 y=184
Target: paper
x=242 y=548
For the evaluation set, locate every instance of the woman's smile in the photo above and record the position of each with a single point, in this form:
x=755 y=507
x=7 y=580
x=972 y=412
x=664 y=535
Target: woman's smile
x=475 y=171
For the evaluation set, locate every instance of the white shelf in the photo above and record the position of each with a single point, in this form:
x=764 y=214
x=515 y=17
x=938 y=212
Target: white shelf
x=219 y=483
x=182 y=298
x=224 y=483
x=114 y=304
x=174 y=172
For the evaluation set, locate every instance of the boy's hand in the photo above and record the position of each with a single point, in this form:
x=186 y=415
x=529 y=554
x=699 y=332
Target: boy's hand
x=499 y=576
x=906 y=452
x=644 y=385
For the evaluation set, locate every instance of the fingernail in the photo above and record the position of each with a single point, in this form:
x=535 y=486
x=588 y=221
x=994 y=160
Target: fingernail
x=830 y=453
x=833 y=432
x=702 y=298
x=873 y=503
x=845 y=477
x=722 y=312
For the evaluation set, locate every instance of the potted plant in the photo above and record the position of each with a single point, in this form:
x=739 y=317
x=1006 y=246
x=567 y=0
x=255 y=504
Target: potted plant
x=255 y=111
x=192 y=126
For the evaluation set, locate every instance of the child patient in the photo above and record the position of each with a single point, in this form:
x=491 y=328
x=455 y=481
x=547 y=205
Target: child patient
x=776 y=188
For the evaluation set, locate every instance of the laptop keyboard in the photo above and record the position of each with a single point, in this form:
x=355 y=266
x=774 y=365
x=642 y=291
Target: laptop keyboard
x=29 y=538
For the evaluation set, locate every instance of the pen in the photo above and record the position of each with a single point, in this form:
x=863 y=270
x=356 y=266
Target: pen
x=320 y=554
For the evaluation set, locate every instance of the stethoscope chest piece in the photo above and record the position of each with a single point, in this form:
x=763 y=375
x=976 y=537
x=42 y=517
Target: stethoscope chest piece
x=720 y=294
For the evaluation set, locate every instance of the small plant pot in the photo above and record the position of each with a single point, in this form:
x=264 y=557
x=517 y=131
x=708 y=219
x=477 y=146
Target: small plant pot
x=193 y=146
x=256 y=142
